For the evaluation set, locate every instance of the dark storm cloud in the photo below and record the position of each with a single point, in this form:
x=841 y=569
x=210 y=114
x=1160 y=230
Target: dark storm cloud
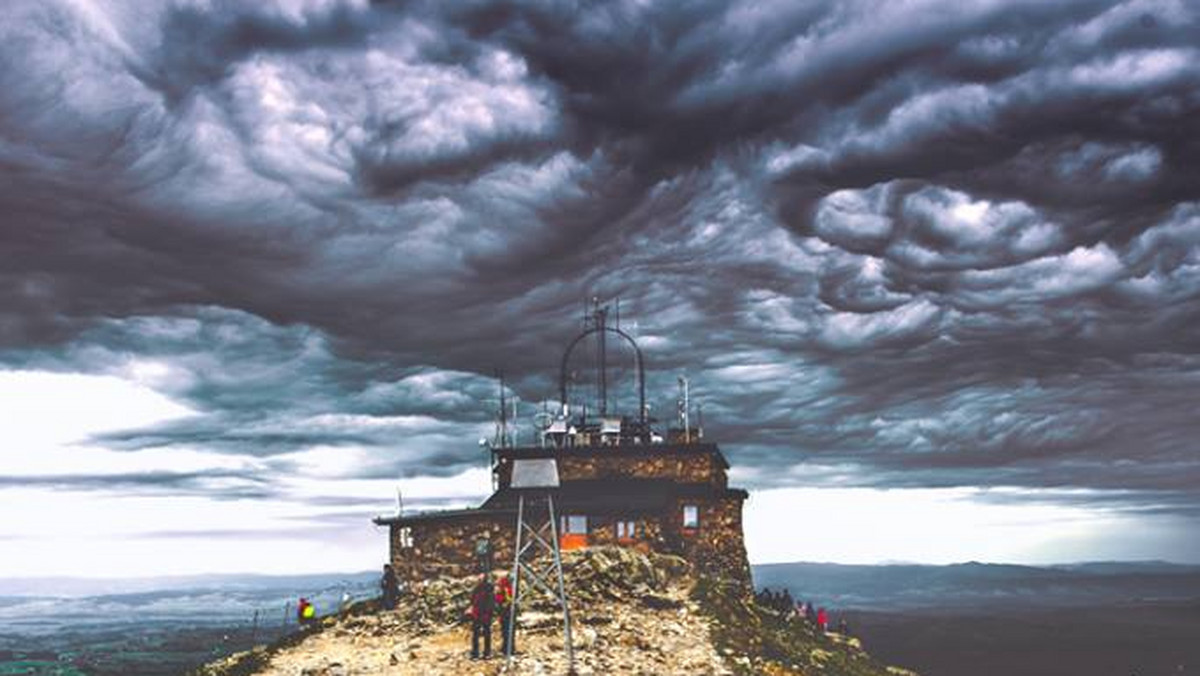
x=220 y=484
x=893 y=245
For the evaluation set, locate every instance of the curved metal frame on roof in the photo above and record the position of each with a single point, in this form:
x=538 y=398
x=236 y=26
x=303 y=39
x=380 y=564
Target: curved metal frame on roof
x=637 y=351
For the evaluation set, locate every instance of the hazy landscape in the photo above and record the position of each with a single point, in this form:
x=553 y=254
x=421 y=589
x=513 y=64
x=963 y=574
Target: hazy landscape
x=983 y=620
x=976 y=619
x=152 y=626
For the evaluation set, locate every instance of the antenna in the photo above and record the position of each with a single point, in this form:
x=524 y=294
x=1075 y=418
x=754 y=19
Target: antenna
x=501 y=440
x=399 y=502
x=602 y=357
x=542 y=420
x=597 y=323
x=513 y=435
x=683 y=409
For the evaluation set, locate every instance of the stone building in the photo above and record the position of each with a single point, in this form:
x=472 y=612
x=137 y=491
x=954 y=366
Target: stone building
x=621 y=483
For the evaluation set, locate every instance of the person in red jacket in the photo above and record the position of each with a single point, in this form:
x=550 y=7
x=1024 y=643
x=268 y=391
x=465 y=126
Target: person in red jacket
x=504 y=602
x=483 y=602
x=822 y=620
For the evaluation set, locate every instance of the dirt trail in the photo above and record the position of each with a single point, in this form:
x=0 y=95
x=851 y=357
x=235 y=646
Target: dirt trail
x=626 y=638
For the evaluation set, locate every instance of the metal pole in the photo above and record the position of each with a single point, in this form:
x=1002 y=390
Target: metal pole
x=603 y=335
x=516 y=579
x=562 y=592
x=683 y=412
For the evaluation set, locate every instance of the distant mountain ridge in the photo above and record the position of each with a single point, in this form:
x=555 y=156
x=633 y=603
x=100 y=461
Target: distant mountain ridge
x=64 y=586
x=981 y=585
x=73 y=586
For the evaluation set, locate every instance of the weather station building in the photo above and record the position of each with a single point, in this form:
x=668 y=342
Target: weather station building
x=621 y=482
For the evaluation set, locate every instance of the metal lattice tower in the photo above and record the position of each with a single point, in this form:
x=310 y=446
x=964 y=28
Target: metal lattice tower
x=535 y=479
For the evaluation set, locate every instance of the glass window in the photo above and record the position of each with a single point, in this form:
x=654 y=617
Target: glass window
x=406 y=537
x=574 y=524
x=626 y=530
x=691 y=516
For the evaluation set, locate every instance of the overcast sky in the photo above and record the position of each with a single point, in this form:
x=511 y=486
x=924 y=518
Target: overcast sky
x=932 y=268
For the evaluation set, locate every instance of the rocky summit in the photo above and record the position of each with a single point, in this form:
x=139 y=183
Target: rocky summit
x=632 y=613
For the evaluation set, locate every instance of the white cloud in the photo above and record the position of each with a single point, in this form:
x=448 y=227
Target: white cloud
x=43 y=410
x=945 y=525
x=851 y=330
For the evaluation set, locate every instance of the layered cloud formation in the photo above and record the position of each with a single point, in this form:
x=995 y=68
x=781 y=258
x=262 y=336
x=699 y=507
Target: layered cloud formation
x=893 y=244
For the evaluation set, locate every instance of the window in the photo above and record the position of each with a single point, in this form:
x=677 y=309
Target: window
x=691 y=516
x=405 y=537
x=574 y=524
x=626 y=530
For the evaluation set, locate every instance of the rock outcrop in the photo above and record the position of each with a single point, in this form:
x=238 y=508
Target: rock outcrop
x=632 y=613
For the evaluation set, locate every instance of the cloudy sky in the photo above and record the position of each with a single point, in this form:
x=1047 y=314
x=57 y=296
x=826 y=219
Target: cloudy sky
x=933 y=268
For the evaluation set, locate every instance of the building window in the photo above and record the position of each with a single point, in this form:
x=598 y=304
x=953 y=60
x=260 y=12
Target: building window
x=574 y=524
x=405 y=537
x=691 y=516
x=626 y=530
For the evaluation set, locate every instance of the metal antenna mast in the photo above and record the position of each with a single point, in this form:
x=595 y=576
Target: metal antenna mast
x=534 y=480
x=502 y=421
x=597 y=323
x=683 y=409
x=602 y=358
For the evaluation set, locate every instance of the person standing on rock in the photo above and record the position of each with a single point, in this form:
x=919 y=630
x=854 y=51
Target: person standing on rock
x=390 y=587
x=822 y=620
x=483 y=602
x=504 y=601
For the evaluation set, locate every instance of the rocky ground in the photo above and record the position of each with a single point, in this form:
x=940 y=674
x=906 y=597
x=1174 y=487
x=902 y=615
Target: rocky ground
x=632 y=614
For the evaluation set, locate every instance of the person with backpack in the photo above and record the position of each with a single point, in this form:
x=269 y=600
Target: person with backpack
x=306 y=612
x=483 y=603
x=504 y=605
x=822 y=620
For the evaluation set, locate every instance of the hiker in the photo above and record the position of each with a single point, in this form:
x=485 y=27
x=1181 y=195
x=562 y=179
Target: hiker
x=810 y=612
x=843 y=627
x=483 y=553
x=390 y=587
x=504 y=604
x=306 y=613
x=483 y=602
x=822 y=620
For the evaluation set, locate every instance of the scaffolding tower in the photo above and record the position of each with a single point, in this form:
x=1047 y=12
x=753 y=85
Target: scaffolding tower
x=535 y=481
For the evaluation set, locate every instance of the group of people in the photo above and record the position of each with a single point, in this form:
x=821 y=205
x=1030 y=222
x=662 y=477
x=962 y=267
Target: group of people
x=783 y=603
x=487 y=601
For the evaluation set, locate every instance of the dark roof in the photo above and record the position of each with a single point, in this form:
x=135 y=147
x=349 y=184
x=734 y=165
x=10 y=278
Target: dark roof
x=594 y=496
x=443 y=515
x=631 y=450
x=603 y=496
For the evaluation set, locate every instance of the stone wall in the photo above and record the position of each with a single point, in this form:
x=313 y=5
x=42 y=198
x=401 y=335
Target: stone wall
x=718 y=545
x=681 y=467
x=446 y=546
